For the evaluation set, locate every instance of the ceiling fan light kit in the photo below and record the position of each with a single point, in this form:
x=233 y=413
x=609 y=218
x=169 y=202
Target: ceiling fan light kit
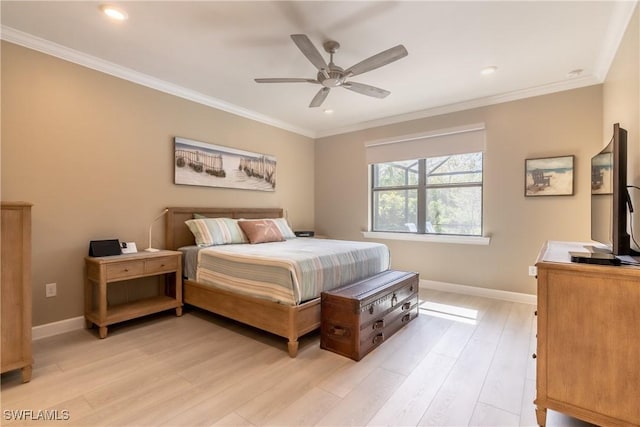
x=330 y=75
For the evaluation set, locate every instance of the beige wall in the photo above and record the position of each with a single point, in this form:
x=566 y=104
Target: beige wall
x=552 y=125
x=93 y=153
x=621 y=104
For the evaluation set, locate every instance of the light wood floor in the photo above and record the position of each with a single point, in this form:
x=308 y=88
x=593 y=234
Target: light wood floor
x=472 y=368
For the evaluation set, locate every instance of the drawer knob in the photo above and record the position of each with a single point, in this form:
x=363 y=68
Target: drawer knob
x=406 y=318
x=535 y=312
x=126 y=270
x=371 y=310
x=378 y=324
x=394 y=299
x=161 y=265
x=378 y=338
x=534 y=355
x=406 y=306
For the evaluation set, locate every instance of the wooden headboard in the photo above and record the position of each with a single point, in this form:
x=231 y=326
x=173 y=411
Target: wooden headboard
x=177 y=234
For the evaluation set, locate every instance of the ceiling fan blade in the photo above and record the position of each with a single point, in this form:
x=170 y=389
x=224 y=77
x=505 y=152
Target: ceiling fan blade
x=377 y=61
x=286 y=80
x=320 y=97
x=309 y=50
x=376 y=92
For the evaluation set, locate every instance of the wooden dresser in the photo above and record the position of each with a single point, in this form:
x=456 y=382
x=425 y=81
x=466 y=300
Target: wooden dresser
x=15 y=322
x=359 y=317
x=588 y=348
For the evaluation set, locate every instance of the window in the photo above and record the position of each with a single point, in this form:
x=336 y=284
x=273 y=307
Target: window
x=436 y=195
x=429 y=183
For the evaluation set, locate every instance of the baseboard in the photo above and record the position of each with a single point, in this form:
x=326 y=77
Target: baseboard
x=55 y=328
x=75 y=323
x=479 y=292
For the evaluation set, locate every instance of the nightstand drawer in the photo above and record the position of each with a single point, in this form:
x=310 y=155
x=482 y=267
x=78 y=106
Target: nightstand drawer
x=160 y=265
x=121 y=270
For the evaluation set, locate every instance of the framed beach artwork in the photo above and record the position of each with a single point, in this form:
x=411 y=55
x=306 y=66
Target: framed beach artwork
x=200 y=163
x=549 y=176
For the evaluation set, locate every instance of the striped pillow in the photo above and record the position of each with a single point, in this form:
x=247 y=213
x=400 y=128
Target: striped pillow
x=284 y=228
x=216 y=231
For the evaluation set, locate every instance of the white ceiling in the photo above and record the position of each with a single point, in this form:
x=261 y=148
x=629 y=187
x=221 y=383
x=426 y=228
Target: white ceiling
x=210 y=51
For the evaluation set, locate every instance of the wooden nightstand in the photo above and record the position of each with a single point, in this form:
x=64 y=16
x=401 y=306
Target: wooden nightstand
x=100 y=271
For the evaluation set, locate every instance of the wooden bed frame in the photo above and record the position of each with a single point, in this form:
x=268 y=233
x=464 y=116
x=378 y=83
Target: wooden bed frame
x=286 y=321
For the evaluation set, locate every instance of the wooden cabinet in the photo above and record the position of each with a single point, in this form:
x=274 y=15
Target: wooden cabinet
x=588 y=348
x=101 y=271
x=15 y=322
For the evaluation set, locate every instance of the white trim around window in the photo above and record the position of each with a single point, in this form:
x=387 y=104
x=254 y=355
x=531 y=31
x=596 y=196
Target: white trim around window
x=432 y=238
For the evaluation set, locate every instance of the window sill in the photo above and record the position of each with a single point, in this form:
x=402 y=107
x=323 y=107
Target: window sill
x=463 y=240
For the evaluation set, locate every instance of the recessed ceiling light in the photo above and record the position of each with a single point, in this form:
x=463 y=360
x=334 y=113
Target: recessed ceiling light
x=114 y=12
x=328 y=111
x=575 y=73
x=489 y=70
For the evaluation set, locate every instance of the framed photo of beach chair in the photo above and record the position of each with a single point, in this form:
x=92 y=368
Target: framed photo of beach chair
x=549 y=176
x=209 y=165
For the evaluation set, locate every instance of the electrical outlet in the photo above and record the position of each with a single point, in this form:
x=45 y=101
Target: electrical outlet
x=533 y=271
x=50 y=290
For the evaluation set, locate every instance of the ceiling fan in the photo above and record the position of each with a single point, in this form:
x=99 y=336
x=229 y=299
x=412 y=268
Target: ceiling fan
x=330 y=75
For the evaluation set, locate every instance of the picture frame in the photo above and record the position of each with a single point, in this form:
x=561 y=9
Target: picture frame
x=549 y=176
x=203 y=164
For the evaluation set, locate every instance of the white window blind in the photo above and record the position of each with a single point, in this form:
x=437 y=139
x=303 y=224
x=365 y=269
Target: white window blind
x=443 y=142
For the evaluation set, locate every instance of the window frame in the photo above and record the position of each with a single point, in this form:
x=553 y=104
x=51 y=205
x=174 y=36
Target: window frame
x=422 y=187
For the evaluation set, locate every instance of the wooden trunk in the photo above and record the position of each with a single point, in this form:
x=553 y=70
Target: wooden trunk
x=357 y=318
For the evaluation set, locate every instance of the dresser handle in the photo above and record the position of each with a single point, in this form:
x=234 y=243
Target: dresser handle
x=378 y=324
x=378 y=339
x=161 y=265
x=534 y=355
x=337 y=330
x=406 y=318
x=370 y=309
x=126 y=270
x=406 y=306
x=535 y=313
x=394 y=300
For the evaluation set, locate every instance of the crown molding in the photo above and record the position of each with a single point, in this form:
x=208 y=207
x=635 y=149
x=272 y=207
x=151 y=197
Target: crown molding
x=620 y=18
x=54 y=49
x=618 y=23
x=468 y=105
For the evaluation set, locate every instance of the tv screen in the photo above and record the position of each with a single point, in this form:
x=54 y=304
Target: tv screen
x=609 y=195
x=602 y=197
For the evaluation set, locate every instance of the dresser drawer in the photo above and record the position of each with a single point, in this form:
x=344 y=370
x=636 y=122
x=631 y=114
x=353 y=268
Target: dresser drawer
x=387 y=302
x=380 y=330
x=122 y=270
x=397 y=313
x=160 y=265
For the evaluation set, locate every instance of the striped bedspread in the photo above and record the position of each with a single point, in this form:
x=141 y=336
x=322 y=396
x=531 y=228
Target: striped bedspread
x=292 y=271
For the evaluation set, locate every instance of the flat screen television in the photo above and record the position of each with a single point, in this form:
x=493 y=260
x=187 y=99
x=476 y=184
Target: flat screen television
x=609 y=196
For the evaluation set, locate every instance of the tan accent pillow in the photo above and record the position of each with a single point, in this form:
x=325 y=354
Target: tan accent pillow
x=261 y=231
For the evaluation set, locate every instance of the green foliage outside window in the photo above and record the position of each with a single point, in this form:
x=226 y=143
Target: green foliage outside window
x=445 y=191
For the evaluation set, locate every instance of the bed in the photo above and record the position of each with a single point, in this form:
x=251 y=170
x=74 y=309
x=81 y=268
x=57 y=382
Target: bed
x=291 y=319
